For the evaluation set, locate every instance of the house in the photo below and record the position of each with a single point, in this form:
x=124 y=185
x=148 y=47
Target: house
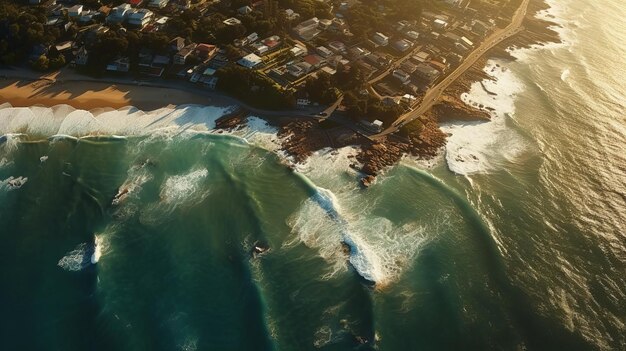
x=231 y=21
x=298 y=50
x=181 y=56
x=325 y=24
x=140 y=18
x=119 y=14
x=439 y=66
x=252 y=37
x=337 y=46
x=75 y=11
x=460 y=48
x=374 y=127
x=299 y=69
x=402 y=45
x=159 y=4
x=374 y=59
x=177 y=44
x=316 y=61
x=466 y=42
x=408 y=99
x=451 y=38
x=323 y=51
x=206 y=51
x=380 y=39
x=211 y=83
x=427 y=73
x=413 y=35
x=244 y=10
x=82 y=56
x=402 y=76
x=420 y=57
x=402 y=25
x=440 y=24
x=338 y=25
x=120 y=65
x=408 y=67
x=481 y=28
x=357 y=52
x=308 y=29
x=160 y=61
x=250 y=61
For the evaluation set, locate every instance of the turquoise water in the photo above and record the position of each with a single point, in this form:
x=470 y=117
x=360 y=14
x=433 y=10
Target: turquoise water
x=513 y=239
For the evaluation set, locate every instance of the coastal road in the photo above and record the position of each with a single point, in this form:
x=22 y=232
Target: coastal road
x=433 y=94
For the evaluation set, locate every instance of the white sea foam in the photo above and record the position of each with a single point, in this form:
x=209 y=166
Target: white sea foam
x=259 y=133
x=378 y=250
x=180 y=187
x=77 y=259
x=65 y=120
x=479 y=147
x=13 y=183
x=182 y=190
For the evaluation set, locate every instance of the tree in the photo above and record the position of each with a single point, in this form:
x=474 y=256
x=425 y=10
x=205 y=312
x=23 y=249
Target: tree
x=41 y=64
x=321 y=89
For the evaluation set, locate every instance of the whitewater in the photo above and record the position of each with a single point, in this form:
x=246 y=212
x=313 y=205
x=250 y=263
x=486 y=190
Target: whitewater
x=138 y=228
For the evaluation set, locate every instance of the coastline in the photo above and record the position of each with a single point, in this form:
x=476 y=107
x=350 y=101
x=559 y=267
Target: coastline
x=299 y=134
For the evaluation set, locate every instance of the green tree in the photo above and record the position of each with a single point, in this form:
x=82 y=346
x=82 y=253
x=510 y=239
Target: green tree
x=41 y=64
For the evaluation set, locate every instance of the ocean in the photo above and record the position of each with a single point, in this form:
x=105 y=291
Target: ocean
x=132 y=230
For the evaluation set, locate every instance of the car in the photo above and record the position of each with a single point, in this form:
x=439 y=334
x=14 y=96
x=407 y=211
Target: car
x=323 y=114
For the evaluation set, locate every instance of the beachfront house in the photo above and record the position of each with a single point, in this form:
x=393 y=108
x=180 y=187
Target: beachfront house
x=206 y=51
x=180 y=58
x=250 y=61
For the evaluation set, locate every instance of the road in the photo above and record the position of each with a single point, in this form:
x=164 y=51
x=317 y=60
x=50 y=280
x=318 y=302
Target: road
x=433 y=94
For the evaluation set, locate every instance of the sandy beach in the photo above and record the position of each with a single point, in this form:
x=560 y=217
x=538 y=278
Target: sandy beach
x=22 y=88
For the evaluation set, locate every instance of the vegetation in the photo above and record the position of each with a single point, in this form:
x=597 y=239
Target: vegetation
x=367 y=107
x=253 y=88
x=321 y=89
x=22 y=29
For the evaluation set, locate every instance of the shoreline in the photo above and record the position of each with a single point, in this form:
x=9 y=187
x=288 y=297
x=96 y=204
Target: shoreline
x=299 y=134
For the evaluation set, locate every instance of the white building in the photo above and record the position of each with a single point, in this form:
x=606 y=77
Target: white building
x=380 y=39
x=412 y=35
x=75 y=11
x=140 y=17
x=250 y=61
x=231 y=21
x=298 y=50
x=440 y=24
x=119 y=14
x=307 y=30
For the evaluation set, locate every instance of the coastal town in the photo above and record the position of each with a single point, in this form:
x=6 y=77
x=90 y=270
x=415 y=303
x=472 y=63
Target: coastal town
x=353 y=71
